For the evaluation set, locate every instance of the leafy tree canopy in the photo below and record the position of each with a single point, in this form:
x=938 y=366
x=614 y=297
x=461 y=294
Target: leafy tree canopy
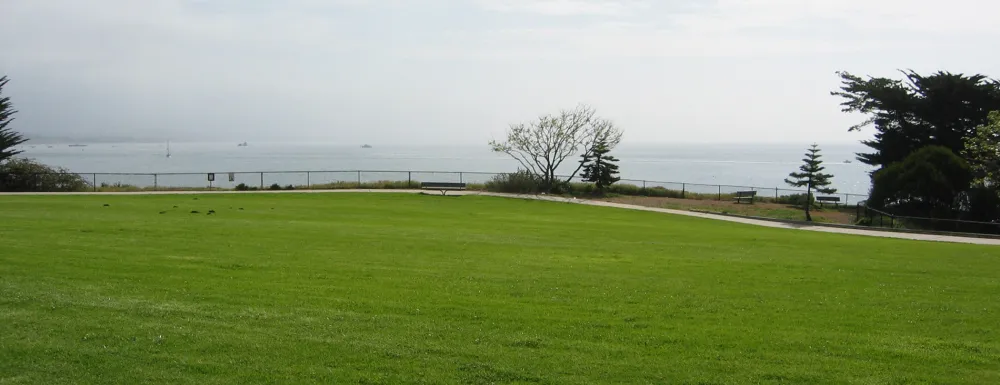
x=811 y=177
x=8 y=137
x=599 y=167
x=942 y=109
x=982 y=150
x=929 y=180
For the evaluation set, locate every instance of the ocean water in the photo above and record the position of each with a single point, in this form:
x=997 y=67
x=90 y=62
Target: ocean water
x=764 y=166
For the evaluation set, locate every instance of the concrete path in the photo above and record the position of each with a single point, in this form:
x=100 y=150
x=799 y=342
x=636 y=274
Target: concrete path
x=749 y=221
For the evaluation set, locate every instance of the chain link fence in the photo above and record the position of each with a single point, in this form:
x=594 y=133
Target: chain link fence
x=380 y=179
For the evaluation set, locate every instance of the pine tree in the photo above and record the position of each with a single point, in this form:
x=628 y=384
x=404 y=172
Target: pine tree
x=599 y=167
x=8 y=138
x=811 y=177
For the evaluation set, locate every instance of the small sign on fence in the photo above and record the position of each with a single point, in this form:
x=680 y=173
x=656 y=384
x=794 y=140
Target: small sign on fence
x=232 y=177
x=211 y=177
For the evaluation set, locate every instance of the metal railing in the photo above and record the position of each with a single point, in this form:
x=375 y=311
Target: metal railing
x=879 y=218
x=342 y=178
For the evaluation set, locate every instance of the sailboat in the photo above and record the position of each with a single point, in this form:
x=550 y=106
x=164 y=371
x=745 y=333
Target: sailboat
x=168 y=149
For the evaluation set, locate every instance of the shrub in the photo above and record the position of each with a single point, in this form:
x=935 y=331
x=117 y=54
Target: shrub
x=624 y=189
x=389 y=185
x=376 y=185
x=26 y=175
x=275 y=187
x=520 y=182
x=242 y=187
x=795 y=200
x=982 y=204
x=118 y=187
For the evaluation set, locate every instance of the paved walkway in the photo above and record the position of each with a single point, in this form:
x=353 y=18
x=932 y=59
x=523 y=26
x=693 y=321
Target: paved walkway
x=749 y=221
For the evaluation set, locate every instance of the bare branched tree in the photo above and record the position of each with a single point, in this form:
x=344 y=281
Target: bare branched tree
x=543 y=145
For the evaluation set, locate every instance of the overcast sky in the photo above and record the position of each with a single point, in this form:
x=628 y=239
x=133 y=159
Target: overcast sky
x=458 y=71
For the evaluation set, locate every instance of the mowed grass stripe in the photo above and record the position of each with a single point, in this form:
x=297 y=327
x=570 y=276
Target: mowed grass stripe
x=399 y=288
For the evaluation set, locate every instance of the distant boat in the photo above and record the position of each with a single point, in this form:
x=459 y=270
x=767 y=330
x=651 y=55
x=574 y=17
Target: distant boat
x=168 y=149
x=366 y=146
x=244 y=144
x=847 y=161
x=78 y=145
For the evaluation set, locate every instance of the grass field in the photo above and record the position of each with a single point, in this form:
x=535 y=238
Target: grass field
x=396 y=288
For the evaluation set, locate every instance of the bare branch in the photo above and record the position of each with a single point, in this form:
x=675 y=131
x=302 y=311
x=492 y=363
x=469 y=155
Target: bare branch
x=542 y=146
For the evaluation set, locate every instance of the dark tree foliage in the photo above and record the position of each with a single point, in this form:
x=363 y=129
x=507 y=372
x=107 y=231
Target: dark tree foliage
x=25 y=175
x=942 y=109
x=931 y=181
x=8 y=138
x=599 y=167
x=811 y=177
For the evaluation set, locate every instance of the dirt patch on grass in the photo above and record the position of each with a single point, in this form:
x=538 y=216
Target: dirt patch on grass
x=843 y=215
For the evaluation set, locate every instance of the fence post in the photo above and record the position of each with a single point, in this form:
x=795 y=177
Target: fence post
x=409 y=179
x=156 y=182
x=683 y=190
x=359 y=178
x=308 y=181
x=461 y=178
x=776 y=194
x=720 y=192
x=643 y=187
x=262 y=181
x=95 y=182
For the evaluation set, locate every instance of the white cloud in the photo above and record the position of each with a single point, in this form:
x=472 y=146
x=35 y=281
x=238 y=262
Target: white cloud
x=378 y=65
x=567 y=7
x=758 y=27
x=909 y=15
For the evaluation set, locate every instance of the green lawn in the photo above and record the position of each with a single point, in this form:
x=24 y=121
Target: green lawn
x=395 y=288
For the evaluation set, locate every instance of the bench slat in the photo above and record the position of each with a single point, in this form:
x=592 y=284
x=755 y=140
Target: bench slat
x=440 y=185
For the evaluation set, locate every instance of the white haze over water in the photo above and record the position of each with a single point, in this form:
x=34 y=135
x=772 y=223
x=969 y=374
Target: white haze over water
x=757 y=165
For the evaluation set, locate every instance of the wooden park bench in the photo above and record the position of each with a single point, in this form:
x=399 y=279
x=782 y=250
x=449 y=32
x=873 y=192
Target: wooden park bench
x=443 y=187
x=744 y=196
x=835 y=200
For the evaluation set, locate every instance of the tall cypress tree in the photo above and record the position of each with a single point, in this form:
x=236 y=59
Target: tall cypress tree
x=811 y=177
x=8 y=138
x=599 y=167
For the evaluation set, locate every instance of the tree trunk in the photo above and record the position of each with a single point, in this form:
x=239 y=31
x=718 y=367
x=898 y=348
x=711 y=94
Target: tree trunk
x=571 y=176
x=808 y=203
